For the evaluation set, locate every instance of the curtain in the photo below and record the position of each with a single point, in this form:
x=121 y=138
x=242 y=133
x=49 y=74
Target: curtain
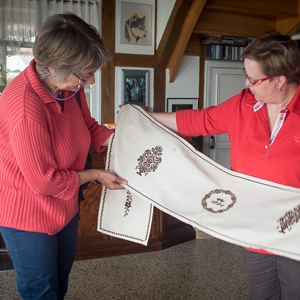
x=17 y=21
x=21 y=19
x=85 y=9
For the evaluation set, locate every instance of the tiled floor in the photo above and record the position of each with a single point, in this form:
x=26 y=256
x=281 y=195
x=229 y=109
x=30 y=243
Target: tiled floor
x=203 y=269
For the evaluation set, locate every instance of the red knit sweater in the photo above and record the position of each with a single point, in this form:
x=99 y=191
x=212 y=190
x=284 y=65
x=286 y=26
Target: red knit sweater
x=41 y=150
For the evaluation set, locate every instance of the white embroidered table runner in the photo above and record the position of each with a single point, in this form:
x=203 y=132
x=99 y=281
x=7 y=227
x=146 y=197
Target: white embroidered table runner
x=164 y=170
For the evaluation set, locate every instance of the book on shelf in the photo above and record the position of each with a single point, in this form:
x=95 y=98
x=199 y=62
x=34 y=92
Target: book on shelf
x=223 y=52
x=223 y=47
x=227 y=40
x=209 y=39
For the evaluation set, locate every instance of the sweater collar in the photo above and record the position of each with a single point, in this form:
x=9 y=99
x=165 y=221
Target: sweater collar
x=36 y=84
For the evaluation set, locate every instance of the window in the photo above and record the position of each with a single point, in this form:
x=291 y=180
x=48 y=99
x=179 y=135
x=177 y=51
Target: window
x=19 y=23
x=17 y=62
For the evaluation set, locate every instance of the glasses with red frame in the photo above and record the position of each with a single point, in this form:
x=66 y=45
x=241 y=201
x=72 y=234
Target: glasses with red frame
x=253 y=82
x=86 y=78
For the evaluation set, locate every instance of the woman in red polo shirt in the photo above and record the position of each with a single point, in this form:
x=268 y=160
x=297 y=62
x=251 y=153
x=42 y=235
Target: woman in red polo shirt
x=263 y=124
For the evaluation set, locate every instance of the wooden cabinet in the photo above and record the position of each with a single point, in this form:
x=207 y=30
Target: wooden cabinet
x=3 y=252
x=166 y=231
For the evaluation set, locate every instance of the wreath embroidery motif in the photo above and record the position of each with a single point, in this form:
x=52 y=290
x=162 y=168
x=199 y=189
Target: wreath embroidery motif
x=218 y=201
x=128 y=203
x=290 y=218
x=149 y=161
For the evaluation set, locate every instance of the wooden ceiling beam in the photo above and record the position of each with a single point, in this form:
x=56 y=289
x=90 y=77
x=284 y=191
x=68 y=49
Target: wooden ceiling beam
x=273 y=9
x=171 y=32
x=249 y=18
x=186 y=31
x=289 y=26
x=231 y=17
x=225 y=23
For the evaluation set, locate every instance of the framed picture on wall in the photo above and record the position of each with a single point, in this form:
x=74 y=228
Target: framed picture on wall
x=136 y=24
x=133 y=86
x=174 y=104
x=134 y=28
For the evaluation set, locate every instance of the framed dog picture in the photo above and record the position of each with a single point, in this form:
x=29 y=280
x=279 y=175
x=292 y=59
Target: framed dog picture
x=136 y=23
x=175 y=104
x=135 y=26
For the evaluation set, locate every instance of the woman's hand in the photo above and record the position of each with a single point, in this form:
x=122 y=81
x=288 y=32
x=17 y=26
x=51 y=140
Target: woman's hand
x=110 y=180
x=105 y=144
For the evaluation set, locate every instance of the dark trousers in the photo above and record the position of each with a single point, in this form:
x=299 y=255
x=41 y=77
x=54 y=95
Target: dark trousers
x=271 y=277
x=42 y=262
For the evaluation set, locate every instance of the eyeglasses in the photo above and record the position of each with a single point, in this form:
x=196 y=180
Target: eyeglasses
x=86 y=78
x=253 y=82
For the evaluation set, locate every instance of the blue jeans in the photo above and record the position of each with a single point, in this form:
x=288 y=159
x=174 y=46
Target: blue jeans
x=42 y=262
x=271 y=277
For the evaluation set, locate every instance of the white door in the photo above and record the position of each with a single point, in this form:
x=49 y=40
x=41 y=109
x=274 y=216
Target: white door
x=223 y=79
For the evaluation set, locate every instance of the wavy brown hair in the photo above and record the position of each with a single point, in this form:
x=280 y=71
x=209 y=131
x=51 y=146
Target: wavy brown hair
x=68 y=45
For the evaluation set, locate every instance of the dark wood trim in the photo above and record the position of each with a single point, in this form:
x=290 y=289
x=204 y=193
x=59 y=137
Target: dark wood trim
x=108 y=72
x=4 y=257
x=134 y=60
x=159 y=89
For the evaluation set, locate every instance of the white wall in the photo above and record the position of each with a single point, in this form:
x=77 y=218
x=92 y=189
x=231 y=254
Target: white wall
x=186 y=83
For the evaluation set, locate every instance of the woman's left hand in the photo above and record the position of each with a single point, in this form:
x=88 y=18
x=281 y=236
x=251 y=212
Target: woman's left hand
x=110 y=180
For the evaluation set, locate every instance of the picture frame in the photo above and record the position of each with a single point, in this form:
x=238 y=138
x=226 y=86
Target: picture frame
x=175 y=104
x=135 y=26
x=133 y=86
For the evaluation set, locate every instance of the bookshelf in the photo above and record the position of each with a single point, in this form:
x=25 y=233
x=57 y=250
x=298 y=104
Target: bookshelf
x=223 y=47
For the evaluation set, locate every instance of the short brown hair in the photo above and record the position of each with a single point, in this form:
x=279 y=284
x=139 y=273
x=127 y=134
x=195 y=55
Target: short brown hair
x=68 y=45
x=277 y=55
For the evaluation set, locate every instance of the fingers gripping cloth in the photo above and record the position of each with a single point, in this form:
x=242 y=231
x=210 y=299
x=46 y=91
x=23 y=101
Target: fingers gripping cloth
x=165 y=171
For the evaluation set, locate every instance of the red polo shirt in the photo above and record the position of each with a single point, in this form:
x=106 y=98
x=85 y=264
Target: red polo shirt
x=249 y=134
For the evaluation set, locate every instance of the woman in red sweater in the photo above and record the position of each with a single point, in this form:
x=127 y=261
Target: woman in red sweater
x=44 y=141
x=263 y=125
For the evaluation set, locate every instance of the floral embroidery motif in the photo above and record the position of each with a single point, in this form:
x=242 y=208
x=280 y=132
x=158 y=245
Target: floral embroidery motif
x=218 y=201
x=128 y=203
x=149 y=160
x=290 y=218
